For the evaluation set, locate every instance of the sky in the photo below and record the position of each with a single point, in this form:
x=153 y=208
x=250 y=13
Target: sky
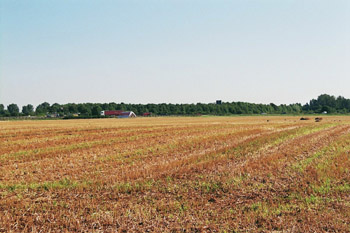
x=173 y=51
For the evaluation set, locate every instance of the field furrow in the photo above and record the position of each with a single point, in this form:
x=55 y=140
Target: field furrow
x=213 y=174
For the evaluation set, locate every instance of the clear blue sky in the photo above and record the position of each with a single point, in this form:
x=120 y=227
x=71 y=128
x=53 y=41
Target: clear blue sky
x=173 y=51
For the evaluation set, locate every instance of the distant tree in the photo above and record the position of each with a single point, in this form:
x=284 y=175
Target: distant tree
x=274 y=107
x=24 y=110
x=105 y=106
x=328 y=109
x=112 y=106
x=306 y=107
x=28 y=110
x=122 y=106
x=2 y=110
x=96 y=110
x=327 y=103
x=13 y=109
x=343 y=104
x=323 y=102
x=84 y=110
x=327 y=100
x=64 y=110
x=296 y=108
x=72 y=108
x=42 y=109
x=56 y=108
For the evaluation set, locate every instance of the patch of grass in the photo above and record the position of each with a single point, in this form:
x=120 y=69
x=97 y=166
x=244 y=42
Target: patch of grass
x=324 y=188
x=211 y=187
x=64 y=183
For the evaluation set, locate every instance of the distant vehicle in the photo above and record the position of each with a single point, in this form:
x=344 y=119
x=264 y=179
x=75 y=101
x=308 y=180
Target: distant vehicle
x=324 y=112
x=53 y=115
x=118 y=113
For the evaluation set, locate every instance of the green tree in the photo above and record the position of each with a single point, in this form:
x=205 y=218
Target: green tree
x=96 y=110
x=28 y=110
x=56 y=108
x=43 y=108
x=2 y=110
x=13 y=109
x=84 y=109
x=72 y=108
x=327 y=100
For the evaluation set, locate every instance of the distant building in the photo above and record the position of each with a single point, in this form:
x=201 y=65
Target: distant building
x=218 y=102
x=52 y=115
x=118 y=113
x=324 y=112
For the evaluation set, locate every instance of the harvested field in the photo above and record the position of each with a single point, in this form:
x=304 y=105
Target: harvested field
x=197 y=174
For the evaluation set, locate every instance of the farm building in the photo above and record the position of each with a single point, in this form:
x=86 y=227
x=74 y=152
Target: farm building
x=118 y=113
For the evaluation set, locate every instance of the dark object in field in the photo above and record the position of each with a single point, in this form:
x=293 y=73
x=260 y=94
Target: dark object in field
x=318 y=119
x=305 y=119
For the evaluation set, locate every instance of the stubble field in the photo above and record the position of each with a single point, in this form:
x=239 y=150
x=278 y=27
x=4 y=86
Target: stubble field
x=213 y=174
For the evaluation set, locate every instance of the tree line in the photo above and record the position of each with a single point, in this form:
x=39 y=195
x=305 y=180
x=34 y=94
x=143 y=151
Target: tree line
x=328 y=103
